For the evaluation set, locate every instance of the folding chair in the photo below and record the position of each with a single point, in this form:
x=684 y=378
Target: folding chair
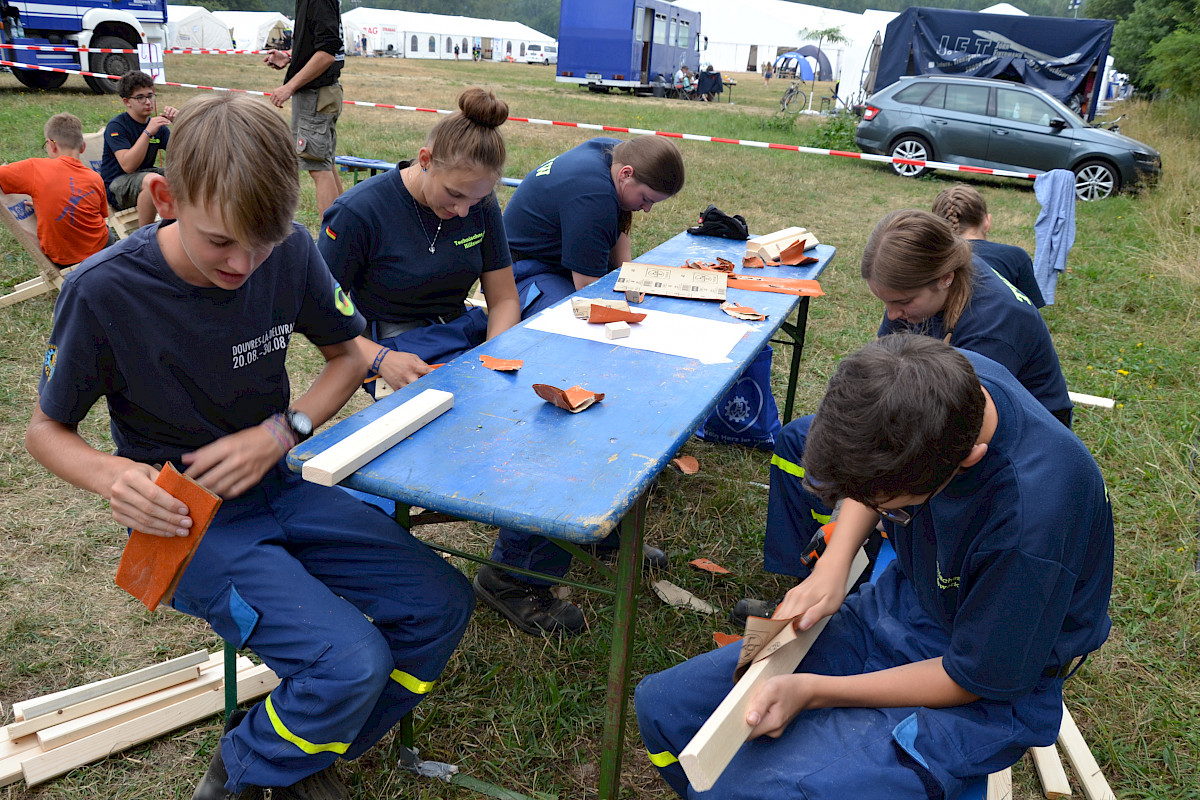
x=19 y=219
x=124 y=222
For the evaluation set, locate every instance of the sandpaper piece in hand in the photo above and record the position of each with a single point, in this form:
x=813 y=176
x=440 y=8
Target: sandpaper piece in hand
x=759 y=283
x=679 y=597
x=708 y=565
x=501 y=364
x=762 y=638
x=793 y=254
x=581 y=307
x=151 y=566
x=742 y=312
x=688 y=465
x=723 y=639
x=602 y=315
x=753 y=262
x=575 y=399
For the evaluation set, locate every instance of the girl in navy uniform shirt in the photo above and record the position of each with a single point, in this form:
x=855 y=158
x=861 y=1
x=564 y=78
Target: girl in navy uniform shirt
x=410 y=243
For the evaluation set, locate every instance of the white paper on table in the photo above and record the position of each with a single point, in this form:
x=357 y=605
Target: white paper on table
x=673 y=334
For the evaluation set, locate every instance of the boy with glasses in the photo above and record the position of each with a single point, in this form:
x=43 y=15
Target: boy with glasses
x=951 y=664
x=132 y=141
x=68 y=197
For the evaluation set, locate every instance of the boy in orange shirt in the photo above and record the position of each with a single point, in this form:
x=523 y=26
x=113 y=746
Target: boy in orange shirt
x=68 y=196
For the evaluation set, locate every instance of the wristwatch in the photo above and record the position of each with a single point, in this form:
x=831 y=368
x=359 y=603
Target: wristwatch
x=299 y=422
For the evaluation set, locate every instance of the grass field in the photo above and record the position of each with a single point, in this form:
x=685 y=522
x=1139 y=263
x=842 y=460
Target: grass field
x=525 y=713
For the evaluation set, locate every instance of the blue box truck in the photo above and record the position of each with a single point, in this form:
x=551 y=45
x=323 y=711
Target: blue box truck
x=630 y=44
x=109 y=24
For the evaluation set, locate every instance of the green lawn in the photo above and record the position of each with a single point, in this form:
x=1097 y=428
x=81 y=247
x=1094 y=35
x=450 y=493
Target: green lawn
x=526 y=714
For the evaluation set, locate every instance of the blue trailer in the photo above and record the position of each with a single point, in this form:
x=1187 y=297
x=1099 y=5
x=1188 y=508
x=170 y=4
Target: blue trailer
x=630 y=44
x=108 y=24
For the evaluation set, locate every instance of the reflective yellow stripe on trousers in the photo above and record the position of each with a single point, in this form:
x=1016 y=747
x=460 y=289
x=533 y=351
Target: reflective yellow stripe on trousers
x=663 y=759
x=312 y=749
x=413 y=684
x=795 y=469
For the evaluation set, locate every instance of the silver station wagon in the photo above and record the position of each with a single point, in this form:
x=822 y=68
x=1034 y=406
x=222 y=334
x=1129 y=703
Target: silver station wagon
x=1000 y=125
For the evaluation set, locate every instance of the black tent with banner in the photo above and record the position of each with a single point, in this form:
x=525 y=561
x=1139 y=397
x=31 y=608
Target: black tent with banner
x=1061 y=56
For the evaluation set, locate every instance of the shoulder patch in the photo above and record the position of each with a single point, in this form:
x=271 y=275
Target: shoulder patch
x=49 y=360
x=343 y=302
x=330 y=233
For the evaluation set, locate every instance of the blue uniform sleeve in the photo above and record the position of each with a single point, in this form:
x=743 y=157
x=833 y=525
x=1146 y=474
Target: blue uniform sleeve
x=327 y=314
x=495 y=242
x=589 y=232
x=345 y=244
x=78 y=368
x=1010 y=617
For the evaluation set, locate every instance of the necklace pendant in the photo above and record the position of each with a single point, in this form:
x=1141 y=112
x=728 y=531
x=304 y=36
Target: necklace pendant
x=432 y=248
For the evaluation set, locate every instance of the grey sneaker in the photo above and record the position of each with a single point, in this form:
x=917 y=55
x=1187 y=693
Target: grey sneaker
x=531 y=608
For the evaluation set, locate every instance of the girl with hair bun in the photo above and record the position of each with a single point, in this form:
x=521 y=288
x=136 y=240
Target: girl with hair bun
x=409 y=244
x=966 y=211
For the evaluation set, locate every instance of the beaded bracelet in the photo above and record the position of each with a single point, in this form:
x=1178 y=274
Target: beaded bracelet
x=283 y=433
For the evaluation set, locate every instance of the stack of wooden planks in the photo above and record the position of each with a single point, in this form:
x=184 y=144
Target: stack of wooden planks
x=54 y=734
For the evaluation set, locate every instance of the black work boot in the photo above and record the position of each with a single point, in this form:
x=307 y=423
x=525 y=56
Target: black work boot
x=531 y=608
x=749 y=607
x=323 y=785
x=212 y=785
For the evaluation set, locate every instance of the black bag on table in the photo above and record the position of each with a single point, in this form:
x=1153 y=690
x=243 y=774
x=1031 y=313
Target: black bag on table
x=715 y=222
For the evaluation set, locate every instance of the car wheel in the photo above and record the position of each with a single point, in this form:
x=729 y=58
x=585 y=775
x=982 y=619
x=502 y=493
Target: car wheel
x=36 y=79
x=110 y=63
x=914 y=148
x=1096 y=180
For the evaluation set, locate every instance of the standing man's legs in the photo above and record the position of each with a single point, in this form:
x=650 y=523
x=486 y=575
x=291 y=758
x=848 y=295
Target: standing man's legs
x=315 y=114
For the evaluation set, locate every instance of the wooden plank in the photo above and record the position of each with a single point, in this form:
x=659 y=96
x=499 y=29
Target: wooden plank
x=1091 y=400
x=39 y=768
x=999 y=785
x=48 y=704
x=1055 y=784
x=76 y=729
x=1080 y=757
x=333 y=465
x=793 y=232
x=722 y=735
x=77 y=710
x=1095 y=787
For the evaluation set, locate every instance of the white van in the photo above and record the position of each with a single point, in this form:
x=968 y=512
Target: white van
x=540 y=54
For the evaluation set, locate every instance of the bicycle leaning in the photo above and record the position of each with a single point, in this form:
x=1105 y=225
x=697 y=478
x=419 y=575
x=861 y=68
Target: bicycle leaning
x=794 y=99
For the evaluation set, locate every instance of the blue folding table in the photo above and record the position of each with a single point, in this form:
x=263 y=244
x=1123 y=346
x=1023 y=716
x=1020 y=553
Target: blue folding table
x=503 y=456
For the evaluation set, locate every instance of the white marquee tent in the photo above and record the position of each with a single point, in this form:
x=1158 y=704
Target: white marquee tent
x=194 y=26
x=253 y=29
x=408 y=34
x=743 y=35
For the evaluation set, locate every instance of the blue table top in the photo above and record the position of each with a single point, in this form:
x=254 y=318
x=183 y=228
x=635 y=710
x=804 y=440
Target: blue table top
x=504 y=456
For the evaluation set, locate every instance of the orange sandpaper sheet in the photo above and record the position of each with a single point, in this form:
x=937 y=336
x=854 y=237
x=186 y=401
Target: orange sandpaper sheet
x=602 y=315
x=151 y=565
x=797 y=286
x=501 y=364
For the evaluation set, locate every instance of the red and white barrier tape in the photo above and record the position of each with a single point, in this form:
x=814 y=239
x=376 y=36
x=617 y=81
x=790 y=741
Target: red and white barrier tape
x=209 y=51
x=59 y=49
x=691 y=137
x=173 y=50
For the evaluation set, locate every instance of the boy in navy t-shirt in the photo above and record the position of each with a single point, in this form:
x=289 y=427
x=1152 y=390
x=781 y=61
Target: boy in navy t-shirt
x=183 y=329
x=132 y=141
x=951 y=664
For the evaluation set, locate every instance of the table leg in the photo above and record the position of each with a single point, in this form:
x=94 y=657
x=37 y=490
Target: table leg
x=629 y=563
x=796 y=331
